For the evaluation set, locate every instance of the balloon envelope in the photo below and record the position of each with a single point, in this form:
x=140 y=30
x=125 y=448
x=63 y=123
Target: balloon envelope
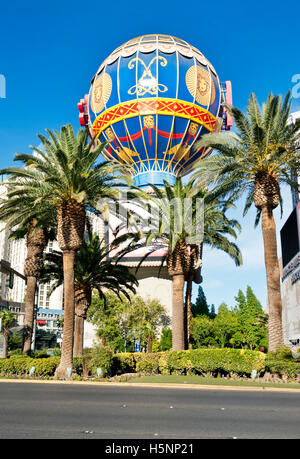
x=152 y=99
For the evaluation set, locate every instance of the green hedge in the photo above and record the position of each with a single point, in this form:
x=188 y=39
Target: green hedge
x=283 y=367
x=194 y=361
x=17 y=365
x=22 y=366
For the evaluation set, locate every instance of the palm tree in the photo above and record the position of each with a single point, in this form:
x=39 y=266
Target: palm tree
x=257 y=160
x=71 y=183
x=29 y=218
x=176 y=217
x=217 y=226
x=8 y=320
x=92 y=270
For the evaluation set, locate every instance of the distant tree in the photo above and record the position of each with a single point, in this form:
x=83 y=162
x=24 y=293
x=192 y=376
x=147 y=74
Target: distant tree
x=202 y=332
x=8 y=320
x=225 y=325
x=212 y=313
x=200 y=307
x=145 y=316
x=106 y=315
x=15 y=341
x=252 y=319
x=245 y=325
x=165 y=342
x=241 y=301
x=117 y=319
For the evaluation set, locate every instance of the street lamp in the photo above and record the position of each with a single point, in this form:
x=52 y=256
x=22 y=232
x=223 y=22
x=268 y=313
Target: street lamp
x=35 y=311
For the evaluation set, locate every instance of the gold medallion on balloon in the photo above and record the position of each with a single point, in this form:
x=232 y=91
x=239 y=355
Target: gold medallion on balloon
x=200 y=85
x=101 y=92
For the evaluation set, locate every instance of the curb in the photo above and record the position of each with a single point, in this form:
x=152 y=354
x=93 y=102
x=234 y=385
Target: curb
x=155 y=385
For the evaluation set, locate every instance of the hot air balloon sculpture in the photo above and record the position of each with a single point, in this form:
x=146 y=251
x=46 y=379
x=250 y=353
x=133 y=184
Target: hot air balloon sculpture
x=152 y=99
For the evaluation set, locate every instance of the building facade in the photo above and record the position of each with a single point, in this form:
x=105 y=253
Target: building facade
x=49 y=308
x=290 y=267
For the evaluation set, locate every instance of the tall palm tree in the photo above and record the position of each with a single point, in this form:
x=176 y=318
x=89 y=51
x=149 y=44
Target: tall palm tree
x=176 y=216
x=8 y=320
x=257 y=160
x=217 y=226
x=71 y=183
x=26 y=217
x=92 y=270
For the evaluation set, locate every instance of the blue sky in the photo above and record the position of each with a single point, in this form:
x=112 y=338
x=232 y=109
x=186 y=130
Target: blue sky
x=49 y=51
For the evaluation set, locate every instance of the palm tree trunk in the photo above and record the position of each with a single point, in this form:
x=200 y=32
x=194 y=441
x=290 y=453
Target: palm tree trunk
x=275 y=334
x=29 y=314
x=178 y=313
x=83 y=298
x=66 y=362
x=78 y=336
x=5 y=342
x=149 y=344
x=188 y=306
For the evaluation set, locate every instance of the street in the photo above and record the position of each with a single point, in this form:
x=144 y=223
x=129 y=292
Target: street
x=57 y=411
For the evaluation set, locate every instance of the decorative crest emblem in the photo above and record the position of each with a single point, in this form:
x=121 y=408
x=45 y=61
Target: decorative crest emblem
x=147 y=84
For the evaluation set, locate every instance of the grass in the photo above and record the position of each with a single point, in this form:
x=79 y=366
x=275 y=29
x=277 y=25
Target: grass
x=181 y=379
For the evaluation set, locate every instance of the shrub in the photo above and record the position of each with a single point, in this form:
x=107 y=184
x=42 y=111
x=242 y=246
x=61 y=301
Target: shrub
x=195 y=361
x=146 y=363
x=283 y=363
x=45 y=367
x=283 y=368
x=179 y=361
x=163 y=364
x=78 y=365
x=123 y=363
x=15 y=365
x=282 y=353
x=42 y=354
x=16 y=352
x=22 y=365
x=101 y=357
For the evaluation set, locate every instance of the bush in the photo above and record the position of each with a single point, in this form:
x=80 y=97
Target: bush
x=163 y=364
x=283 y=367
x=179 y=362
x=21 y=365
x=123 y=363
x=15 y=341
x=195 y=361
x=101 y=357
x=15 y=352
x=283 y=363
x=78 y=365
x=42 y=354
x=146 y=363
x=282 y=353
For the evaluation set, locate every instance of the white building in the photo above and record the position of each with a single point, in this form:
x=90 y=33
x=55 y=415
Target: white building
x=14 y=252
x=290 y=286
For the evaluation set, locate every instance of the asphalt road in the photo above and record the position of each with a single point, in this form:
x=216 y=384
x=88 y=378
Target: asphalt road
x=56 y=411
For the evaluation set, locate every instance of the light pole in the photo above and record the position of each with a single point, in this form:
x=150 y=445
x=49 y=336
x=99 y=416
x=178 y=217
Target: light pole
x=36 y=299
